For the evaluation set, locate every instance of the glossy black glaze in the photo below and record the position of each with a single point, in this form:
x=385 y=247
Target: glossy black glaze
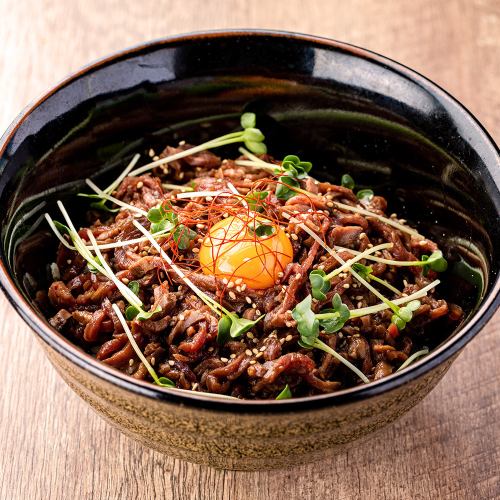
x=345 y=108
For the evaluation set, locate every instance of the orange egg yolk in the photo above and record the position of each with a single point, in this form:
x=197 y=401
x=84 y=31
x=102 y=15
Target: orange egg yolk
x=232 y=250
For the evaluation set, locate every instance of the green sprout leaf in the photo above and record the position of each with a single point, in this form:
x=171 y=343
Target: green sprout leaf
x=435 y=261
x=307 y=324
x=339 y=315
x=183 y=236
x=131 y=312
x=62 y=228
x=255 y=200
x=261 y=230
x=365 y=195
x=293 y=167
x=286 y=393
x=232 y=326
x=347 y=181
x=134 y=286
x=283 y=190
x=223 y=329
x=248 y=120
x=164 y=382
x=319 y=284
x=364 y=271
x=405 y=314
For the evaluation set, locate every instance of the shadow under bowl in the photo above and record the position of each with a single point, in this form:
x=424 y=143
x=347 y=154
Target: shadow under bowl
x=346 y=109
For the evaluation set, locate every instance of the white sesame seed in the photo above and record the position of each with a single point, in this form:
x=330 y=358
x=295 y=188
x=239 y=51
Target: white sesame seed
x=255 y=351
x=181 y=317
x=194 y=386
x=153 y=361
x=210 y=349
x=171 y=362
x=328 y=196
x=346 y=285
x=230 y=284
x=248 y=299
x=255 y=341
x=294 y=237
x=243 y=287
x=181 y=143
x=225 y=360
x=263 y=348
x=232 y=356
x=196 y=250
x=225 y=281
x=297 y=276
x=125 y=280
x=250 y=335
x=288 y=338
x=289 y=324
x=359 y=297
x=140 y=184
x=257 y=312
x=232 y=295
x=238 y=281
x=68 y=261
x=259 y=355
x=248 y=352
x=253 y=362
x=156 y=158
x=238 y=288
x=151 y=153
x=282 y=341
x=254 y=305
x=422 y=243
x=209 y=198
x=329 y=204
x=360 y=305
x=200 y=226
x=130 y=362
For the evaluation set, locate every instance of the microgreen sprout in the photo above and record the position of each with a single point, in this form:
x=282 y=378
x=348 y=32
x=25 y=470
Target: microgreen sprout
x=251 y=136
x=367 y=273
x=413 y=357
x=308 y=326
x=286 y=393
x=260 y=230
x=365 y=195
x=347 y=181
x=292 y=169
x=164 y=220
x=161 y=381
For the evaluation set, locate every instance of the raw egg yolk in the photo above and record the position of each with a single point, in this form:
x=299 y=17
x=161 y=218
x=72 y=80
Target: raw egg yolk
x=232 y=250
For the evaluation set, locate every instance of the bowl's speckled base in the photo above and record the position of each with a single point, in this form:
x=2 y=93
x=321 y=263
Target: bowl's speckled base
x=230 y=440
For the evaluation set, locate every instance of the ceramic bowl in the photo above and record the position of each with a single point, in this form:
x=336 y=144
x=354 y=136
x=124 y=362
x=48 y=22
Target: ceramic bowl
x=347 y=109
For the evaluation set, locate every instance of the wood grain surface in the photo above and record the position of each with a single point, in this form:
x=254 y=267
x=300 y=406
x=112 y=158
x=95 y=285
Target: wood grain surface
x=54 y=447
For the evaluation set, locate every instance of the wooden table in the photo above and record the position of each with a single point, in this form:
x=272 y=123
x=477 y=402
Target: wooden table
x=54 y=447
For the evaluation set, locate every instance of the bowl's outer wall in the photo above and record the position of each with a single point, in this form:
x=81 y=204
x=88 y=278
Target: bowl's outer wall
x=340 y=107
x=245 y=441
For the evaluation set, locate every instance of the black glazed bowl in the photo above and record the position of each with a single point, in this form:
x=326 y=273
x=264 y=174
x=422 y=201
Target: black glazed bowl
x=347 y=109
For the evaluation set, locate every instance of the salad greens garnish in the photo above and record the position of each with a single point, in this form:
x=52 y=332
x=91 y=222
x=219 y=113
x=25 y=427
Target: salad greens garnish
x=161 y=381
x=232 y=326
x=260 y=229
x=286 y=393
x=287 y=188
x=347 y=181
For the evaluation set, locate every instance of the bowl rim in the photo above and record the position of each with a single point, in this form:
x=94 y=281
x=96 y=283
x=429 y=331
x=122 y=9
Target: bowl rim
x=83 y=360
